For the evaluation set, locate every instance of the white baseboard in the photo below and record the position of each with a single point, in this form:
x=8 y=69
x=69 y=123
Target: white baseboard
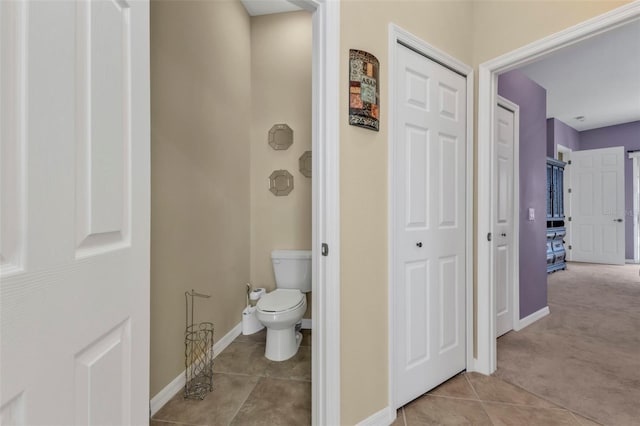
x=162 y=397
x=384 y=417
x=306 y=323
x=630 y=261
x=528 y=320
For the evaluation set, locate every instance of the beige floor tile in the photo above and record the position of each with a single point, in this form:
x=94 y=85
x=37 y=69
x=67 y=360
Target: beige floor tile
x=275 y=402
x=153 y=422
x=456 y=387
x=217 y=408
x=435 y=410
x=490 y=388
x=296 y=368
x=161 y=423
x=584 y=421
x=259 y=337
x=241 y=358
x=517 y=415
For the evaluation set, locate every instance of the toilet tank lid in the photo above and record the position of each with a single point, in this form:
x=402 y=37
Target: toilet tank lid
x=291 y=254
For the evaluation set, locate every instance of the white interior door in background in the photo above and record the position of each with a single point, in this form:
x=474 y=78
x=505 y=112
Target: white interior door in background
x=430 y=283
x=504 y=250
x=597 y=206
x=564 y=154
x=75 y=201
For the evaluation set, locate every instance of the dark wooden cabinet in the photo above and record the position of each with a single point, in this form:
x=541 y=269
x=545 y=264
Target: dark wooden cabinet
x=556 y=230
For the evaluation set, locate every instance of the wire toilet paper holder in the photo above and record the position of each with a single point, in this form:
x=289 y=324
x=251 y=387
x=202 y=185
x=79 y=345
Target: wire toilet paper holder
x=198 y=352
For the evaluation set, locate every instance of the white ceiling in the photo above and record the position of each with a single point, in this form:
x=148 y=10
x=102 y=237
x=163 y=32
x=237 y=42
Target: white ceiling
x=598 y=78
x=266 y=7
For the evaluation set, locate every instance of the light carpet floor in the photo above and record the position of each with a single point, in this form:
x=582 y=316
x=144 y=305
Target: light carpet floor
x=585 y=355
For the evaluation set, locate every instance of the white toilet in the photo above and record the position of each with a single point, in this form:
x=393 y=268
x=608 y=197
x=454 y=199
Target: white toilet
x=281 y=309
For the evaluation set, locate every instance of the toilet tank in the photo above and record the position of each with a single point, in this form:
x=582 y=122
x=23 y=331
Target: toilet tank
x=292 y=269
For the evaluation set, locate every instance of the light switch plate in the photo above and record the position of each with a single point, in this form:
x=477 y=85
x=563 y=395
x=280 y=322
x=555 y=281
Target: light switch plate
x=532 y=213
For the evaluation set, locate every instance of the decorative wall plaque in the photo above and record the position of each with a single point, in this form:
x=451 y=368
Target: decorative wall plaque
x=364 y=91
x=280 y=137
x=305 y=164
x=280 y=182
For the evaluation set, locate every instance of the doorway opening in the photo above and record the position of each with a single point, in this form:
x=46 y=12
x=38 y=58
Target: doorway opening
x=488 y=82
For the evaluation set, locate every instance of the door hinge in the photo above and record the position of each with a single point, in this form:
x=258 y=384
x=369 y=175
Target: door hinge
x=325 y=249
x=489 y=236
x=569 y=218
x=569 y=190
x=569 y=162
x=570 y=247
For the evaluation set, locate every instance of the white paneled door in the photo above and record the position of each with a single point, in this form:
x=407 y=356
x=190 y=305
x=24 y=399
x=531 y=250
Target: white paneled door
x=597 y=206
x=503 y=229
x=429 y=286
x=75 y=211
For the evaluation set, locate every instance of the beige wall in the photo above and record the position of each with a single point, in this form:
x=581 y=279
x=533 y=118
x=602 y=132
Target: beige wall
x=363 y=186
x=473 y=32
x=200 y=110
x=281 y=93
x=502 y=26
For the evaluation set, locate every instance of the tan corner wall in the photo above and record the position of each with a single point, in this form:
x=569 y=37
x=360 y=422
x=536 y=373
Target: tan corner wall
x=363 y=174
x=281 y=46
x=502 y=26
x=200 y=100
x=473 y=32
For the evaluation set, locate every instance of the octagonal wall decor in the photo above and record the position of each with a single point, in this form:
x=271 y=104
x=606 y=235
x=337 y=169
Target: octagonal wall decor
x=280 y=183
x=280 y=137
x=305 y=164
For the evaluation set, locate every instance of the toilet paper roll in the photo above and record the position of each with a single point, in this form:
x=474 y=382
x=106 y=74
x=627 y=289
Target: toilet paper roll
x=256 y=294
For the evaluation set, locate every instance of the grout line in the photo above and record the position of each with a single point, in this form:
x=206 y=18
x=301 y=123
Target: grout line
x=171 y=422
x=575 y=418
x=232 y=373
x=578 y=420
x=458 y=398
x=466 y=376
x=244 y=401
x=544 y=398
x=487 y=413
x=262 y=375
x=514 y=404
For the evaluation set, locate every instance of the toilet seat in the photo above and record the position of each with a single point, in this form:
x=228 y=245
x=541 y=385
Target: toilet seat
x=281 y=301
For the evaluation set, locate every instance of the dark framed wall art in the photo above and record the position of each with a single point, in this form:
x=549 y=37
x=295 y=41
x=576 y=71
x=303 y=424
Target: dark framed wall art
x=364 y=91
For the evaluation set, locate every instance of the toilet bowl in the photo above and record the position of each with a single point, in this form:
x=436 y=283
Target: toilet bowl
x=281 y=309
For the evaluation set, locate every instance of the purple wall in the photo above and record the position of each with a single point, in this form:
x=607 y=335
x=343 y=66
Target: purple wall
x=560 y=133
x=532 y=100
x=628 y=136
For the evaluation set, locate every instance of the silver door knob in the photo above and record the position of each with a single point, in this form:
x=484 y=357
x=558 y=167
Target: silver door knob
x=419 y=243
x=617 y=220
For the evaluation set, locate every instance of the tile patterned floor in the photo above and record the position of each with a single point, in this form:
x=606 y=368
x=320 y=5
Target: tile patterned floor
x=251 y=390
x=475 y=399
x=248 y=389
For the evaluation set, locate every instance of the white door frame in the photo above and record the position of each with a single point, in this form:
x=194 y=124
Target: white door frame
x=487 y=93
x=325 y=133
x=566 y=196
x=515 y=218
x=635 y=157
x=397 y=34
